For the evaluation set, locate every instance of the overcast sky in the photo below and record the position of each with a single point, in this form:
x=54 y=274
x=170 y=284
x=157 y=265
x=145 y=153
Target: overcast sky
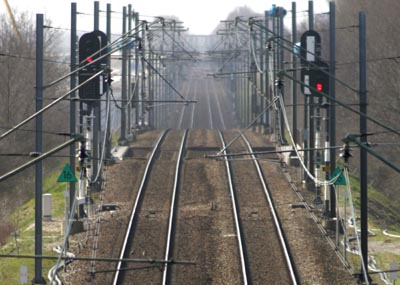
x=200 y=16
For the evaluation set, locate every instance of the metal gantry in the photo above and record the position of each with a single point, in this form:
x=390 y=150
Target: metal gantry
x=252 y=55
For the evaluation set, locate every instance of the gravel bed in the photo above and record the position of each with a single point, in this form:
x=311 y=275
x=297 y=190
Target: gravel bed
x=204 y=230
x=266 y=262
x=316 y=261
x=122 y=182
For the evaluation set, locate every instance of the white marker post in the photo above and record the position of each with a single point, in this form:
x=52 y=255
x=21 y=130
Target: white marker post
x=393 y=273
x=23 y=274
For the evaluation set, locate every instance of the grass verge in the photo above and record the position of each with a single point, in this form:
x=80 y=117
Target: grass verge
x=24 y=244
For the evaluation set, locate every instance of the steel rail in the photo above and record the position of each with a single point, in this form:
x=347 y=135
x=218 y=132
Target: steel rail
x=135 y=208
x=181 y=118
x=193 y=110
x=235 y=214
x=180 y=123
x=278 y=226
x=210 y=117
x=319 y=225
x=221 y=117
x=172 y=208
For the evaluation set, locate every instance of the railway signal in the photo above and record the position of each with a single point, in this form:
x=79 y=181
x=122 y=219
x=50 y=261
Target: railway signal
x=314 y=72
x=315 y=80
x=305 y=79
x=310 y=51
x=319 y=78
x=92 y=58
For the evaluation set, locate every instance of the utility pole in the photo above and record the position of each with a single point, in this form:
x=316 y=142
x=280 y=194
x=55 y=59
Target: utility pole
x=363 y=140
x=294 y=74
x=246 y=107
x=109 y=127
x=281 y=61
x=122 y=138
x=96 y=120
x=159 y=92
x=38 y=279
x=72 y=112
x=274 y=67
x=156 y=94
x=267 y=83
x=149 y=106
x=165 y=89
x=311 y=99
x=136 y=92
x=331 y=109
x=129 y=87
x=252 y=78
x=143 y=79
x=261 y=47
x=153 y=93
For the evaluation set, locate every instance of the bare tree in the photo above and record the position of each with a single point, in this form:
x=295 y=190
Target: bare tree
x=17 y=100
x=383 y=71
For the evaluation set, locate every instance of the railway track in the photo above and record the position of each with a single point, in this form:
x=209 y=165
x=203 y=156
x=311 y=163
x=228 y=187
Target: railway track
x=265 y=255
x=217 y=110
x=204 y=230
x=223 y=228
x=246 y=236
x=212 y=110
x=186 y=116
x=227 y=227
x=206 y=113
x=203 y=117
x=149 y=230
x=235 y=212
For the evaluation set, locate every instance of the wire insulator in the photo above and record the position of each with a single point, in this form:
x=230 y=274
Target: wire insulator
x=346 y=152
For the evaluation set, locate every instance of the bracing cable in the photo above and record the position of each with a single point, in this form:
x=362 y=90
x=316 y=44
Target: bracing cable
x=92 y=265
x=275 y=37
x=130 y=99
x=233 y=56
x=348 y=189
x=253 y=53
x=216 y=46
x=346 y=106
x=340 y=218
x=238 y=38
x=273 y=103
x=278 y=124
x=124 y=37
x=242 y=132
x=125 y=41
x=278 y=119
x=187 y=42
x=292 y=142
x=133 y=92
x=69 y=225
x=115 y=100
x=164 y=79
x=284 y=41
x=5 y=134
x=103 y=148
x=179 y=45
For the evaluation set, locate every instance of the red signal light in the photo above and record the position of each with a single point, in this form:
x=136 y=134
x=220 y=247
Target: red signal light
x=319 y=87
x=89 y=59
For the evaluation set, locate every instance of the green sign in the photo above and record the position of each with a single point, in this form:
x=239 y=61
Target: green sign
x=67 y=175
x=341 y=180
